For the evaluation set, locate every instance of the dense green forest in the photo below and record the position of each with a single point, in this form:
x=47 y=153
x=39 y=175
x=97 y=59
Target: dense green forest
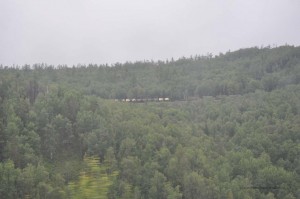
x=230 y=130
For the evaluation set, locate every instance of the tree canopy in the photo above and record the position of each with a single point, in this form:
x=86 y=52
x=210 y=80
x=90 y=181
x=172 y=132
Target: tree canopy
x=230 y=129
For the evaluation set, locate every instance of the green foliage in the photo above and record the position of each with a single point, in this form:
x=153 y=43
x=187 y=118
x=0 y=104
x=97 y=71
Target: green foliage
x=8 y=178
x=93 y=182
x=231 y=129
x=196 y=186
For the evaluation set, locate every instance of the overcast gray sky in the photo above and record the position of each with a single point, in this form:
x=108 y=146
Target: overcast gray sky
x=109 y=31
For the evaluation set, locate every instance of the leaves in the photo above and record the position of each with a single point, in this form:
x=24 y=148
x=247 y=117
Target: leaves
x=93 y=182
x=230 y=130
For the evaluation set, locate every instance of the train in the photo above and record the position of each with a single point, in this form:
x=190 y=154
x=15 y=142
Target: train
x=142 y=100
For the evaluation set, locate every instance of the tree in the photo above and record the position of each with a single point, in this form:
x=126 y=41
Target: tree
x=71 y=104
x=161 y=188
x=63 y=129
x=130 y=169
x=8 y=178
x=93 y=182
x=196 y=186
x=32 y=90
x=158 y=189
x=33 y=182
x=127 y=148
x=193 y=186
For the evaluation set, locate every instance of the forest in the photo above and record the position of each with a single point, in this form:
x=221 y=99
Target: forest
x=231 y=129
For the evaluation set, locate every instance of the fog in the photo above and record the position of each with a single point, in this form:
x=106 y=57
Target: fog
x=110 y=31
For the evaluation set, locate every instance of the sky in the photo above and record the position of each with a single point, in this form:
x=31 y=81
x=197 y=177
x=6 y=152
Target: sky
x=109 y=31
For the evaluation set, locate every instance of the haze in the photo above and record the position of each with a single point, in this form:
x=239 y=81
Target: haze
x=109 y=31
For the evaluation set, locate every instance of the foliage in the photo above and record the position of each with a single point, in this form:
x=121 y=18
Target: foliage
x=231 y=129
x=93 y=182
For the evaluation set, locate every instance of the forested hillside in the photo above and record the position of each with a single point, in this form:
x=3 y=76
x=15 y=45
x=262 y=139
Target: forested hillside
x=231 y=129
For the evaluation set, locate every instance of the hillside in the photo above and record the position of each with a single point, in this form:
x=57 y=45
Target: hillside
x=230 y=130
x=238 y=72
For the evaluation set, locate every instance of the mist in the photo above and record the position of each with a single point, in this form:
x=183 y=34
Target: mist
x=109 y=31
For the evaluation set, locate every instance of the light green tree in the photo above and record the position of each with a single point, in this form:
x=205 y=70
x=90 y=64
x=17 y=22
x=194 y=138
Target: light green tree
x=93 y=182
